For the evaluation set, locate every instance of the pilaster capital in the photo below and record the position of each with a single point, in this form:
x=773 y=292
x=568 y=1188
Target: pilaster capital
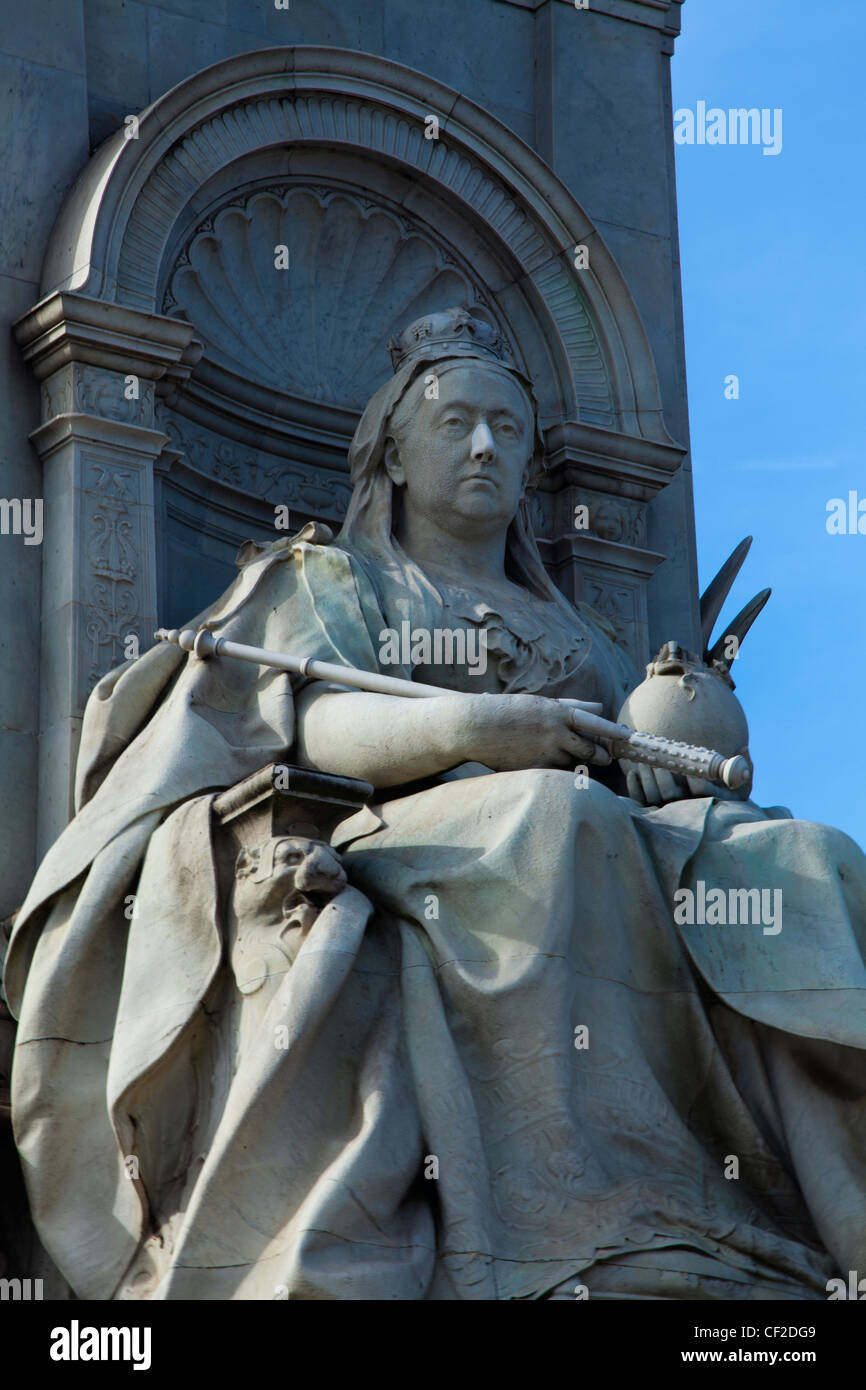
x=623 y=464
x=130 y=441
x=69 y=328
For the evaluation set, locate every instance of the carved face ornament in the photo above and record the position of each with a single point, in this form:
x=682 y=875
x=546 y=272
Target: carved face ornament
x=287 y=880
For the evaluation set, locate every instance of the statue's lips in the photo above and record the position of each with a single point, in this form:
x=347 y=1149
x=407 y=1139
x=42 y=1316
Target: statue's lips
x=482 y=478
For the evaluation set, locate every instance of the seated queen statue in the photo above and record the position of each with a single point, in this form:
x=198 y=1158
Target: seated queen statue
x=471 y=1048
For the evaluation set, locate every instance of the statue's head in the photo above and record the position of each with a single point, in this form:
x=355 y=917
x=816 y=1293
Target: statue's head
x=459 y=446
x=453 y=433
x=424 y=356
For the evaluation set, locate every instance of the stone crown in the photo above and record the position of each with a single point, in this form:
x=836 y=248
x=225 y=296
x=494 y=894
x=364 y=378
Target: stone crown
x=455 y=332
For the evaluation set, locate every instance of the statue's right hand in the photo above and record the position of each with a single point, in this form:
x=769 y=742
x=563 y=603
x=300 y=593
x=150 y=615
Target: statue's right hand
x=510 y=732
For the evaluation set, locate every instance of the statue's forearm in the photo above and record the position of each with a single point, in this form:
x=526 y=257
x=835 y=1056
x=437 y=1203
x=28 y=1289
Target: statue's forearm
x=380 y=738
x=388 y=740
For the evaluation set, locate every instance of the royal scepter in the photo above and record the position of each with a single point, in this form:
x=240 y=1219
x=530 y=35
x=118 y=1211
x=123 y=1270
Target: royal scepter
x=684 y=758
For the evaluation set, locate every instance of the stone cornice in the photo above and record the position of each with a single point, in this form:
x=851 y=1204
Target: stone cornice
x=612 y=462
x=66 y=327
x=625 y=559
x=664 y=15
x=91 y=429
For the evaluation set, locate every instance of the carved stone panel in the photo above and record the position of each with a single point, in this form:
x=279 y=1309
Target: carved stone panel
x=116 y=590
x=611 y=577
x=318 y=493
x=80 y=388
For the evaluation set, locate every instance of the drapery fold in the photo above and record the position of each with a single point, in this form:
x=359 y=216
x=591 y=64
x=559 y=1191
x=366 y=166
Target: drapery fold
x=431 y=1015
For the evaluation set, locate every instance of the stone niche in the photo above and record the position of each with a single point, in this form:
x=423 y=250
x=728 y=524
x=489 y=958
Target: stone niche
x=189 y=389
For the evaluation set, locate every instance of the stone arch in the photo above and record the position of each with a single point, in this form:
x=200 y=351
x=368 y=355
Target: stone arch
x=163 y=445
x=578 y=329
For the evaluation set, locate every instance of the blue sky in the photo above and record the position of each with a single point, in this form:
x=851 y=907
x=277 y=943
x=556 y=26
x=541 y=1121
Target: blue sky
x=774 y=289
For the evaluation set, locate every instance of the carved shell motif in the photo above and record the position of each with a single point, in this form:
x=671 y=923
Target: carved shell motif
x=356 y=274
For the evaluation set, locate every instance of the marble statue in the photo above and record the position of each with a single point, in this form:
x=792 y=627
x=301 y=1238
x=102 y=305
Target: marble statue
x=453 y=1034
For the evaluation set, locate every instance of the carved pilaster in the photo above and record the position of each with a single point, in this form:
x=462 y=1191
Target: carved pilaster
x=611 y=578
x=590 y=517
x=98 y=364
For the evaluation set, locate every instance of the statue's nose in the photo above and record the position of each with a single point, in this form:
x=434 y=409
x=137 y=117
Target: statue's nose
x=318 y=870
x=483 y=445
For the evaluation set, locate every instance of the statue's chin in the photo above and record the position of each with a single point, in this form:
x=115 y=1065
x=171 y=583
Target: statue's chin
x=477 y=515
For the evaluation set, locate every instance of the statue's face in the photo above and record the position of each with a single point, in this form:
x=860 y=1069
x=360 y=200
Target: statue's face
x=306 y=875
x=463 y=459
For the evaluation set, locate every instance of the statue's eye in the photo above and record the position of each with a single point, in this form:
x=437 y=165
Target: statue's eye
x=506 y=427
x=454 y=424
x=289 y=856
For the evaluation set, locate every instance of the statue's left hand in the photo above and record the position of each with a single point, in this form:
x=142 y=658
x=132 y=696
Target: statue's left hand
x=654 y=786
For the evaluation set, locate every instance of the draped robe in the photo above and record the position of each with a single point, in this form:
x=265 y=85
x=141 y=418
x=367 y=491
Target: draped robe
x=507 y=1069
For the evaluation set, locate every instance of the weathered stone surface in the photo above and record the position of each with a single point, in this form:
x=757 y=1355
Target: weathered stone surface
x=49 y=33
x=45 y=145
x=41 y=105
x=267 y=1048
x=117 y=52
x=151 y=495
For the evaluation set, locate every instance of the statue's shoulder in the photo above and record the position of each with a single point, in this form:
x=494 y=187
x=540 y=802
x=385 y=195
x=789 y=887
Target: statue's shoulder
x=303 y=569
x=312 y=553
x=315 y=535
x=315 y=569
